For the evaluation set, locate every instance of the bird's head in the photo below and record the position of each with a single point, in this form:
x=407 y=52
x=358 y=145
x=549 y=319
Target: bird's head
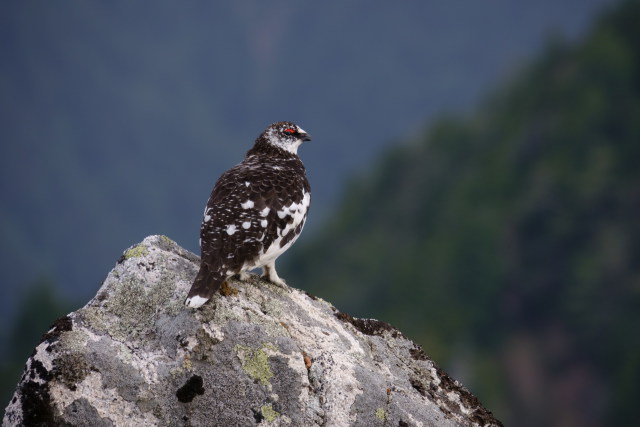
x=285 y=135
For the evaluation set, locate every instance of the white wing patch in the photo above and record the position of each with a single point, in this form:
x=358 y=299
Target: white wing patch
x=247 y=205
x=297 y=212
x=231 y=229
x=246 y=225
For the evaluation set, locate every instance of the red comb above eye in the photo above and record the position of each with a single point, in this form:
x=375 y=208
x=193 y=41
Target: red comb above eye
x=290 y=130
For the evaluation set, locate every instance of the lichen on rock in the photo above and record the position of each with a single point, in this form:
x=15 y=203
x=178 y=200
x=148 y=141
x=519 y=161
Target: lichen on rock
x=255 y=362
x=134 y=355
x=136 y=251
x=268 y=413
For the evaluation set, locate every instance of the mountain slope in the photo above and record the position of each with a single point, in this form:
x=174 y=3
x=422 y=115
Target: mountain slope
x=507 y=242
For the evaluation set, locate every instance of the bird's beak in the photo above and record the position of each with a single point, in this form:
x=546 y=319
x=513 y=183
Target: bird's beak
x=303 y=135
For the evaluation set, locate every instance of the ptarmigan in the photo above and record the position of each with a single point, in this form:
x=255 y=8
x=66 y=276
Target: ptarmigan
x=255 y=212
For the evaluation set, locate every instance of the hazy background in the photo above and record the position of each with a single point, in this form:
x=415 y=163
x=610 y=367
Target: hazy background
x=495 y=237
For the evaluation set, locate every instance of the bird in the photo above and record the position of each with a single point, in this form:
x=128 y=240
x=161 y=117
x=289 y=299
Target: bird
x=256 y=211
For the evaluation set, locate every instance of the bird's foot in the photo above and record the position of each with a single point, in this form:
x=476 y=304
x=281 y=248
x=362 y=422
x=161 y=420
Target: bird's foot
x=271 y=276
x=278 y=281
x=242 y=276
x=227 y=290
x=269 y=273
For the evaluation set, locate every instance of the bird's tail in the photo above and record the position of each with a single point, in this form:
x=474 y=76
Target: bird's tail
x=206 y=283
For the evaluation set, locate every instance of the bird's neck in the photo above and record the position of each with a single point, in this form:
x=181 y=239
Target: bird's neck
x=264 y=148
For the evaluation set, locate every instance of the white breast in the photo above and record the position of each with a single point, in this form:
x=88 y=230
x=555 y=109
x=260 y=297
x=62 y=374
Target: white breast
x=298 y=212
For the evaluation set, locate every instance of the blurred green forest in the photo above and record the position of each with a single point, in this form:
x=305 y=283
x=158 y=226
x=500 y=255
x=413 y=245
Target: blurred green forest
x=508 y=242
x=39 y=306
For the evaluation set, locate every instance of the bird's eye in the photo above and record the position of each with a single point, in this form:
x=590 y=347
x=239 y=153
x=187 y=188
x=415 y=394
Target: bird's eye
x=290 y=131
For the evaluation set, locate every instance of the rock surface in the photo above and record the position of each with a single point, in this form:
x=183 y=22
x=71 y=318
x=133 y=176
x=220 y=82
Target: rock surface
x=259 y=355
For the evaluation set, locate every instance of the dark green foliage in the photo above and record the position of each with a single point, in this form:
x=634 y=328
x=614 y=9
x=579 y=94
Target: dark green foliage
x=36 y=313
x=508 y=243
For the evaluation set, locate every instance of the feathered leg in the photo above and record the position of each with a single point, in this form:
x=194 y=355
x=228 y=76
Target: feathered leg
x=269 y=272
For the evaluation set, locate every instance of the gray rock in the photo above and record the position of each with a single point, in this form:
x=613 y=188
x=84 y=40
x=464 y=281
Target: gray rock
x=134 y=355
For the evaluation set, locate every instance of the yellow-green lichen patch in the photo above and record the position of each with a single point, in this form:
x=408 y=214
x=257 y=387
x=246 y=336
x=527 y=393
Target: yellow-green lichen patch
x=269 y=413
x=166 y=239
x=380 y=414
x=136 y=251
x=255 y=362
